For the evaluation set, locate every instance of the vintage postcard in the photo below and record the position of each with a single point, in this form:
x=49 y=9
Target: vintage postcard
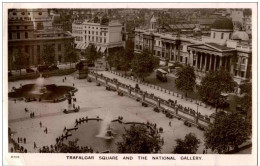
x=130 y=83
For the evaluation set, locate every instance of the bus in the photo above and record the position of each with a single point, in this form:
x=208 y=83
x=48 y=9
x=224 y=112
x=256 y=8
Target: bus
x=161 y=75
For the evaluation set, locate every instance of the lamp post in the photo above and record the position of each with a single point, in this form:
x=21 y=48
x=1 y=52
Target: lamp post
x=197 y=118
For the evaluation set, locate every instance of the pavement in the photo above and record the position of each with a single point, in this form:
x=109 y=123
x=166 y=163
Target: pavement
x=93 y=101
x=204 y=111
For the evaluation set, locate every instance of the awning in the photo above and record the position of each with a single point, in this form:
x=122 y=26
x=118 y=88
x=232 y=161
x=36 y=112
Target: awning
x=85 y=46
x=81 y=46
x=103 y=49
x=98 y=47
x=77 y=46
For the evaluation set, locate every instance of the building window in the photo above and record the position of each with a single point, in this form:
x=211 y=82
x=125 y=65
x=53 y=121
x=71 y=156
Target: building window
x=17 y=27
x=26 y=35
x=28 y=13
x=101 y=40
x=96 y=33
x=159 y=43
x=100 y=33
x=92 y=32
x=14 y=13
x=23 y=13
x=38 y=49
x=40 y=13
x=96 y=39
x=88 y=32
x=214 y=35
x=92 y=38
x=27 y=49
x=10 y=35
x=222 y=35
x=105 y=40
x=59 y=47
x=25 y=27
x=18 y=35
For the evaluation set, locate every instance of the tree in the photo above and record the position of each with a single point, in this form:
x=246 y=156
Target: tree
x=213 y=85
x=246 y=100
x=104 y=20
x=143 y=64
x=227 y=131
x=20 y=60
x=91 y=54
x=70 y=54
x=48 y=54
x=187 y=146
x=96 y=19
x=186 y=79
x=139 y=139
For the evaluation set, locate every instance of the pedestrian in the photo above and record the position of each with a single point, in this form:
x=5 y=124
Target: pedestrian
x=62 y=80
x=73 y=84
x=41 y=124
x=33 y=114
x=204 y=151
x=24 y=140
x=170 y=123
x=34 y=145
x=73 y=105
x=18 y=140
x=46 y=130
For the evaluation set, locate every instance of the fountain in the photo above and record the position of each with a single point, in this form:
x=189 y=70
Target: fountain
x=39 y=87
x=106 y=131
x=41 y=90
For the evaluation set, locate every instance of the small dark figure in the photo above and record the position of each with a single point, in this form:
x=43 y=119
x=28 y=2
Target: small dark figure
x=25 y=151
x=24 y=140
x=73 y=84
x=204 y=151
x=40 y=124
x=62 y=80
x=170 y=123
x=18 y=140
x=34 y=145
x=46 y=130
x=33 y=114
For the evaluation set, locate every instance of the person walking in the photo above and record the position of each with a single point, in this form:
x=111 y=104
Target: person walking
x=34 y=145
x=46 y=130
x=40 y=124
x=33 y=114
x=170 y=123
x=24 y=140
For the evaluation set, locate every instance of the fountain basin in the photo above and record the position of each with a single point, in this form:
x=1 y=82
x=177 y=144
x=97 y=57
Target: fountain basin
x=46 y=93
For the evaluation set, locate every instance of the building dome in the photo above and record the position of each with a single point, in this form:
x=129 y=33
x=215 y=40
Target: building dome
x=153 y=19
x=223 y=23
x=240 y=35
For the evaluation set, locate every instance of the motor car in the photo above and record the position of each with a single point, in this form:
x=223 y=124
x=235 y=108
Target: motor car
x=29 y=70
x=42 y=68
x=53 y=67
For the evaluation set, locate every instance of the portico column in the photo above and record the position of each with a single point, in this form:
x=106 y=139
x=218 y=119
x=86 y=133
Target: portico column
x=201 y=58
x=196 y=56
x=220 y=63
x=206 y=57
x=191 y=58
x=215 y=62
x=210 y=62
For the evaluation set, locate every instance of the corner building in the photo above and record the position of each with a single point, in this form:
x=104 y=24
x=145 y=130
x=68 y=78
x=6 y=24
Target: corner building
x=103 y=36
x=29 y=30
